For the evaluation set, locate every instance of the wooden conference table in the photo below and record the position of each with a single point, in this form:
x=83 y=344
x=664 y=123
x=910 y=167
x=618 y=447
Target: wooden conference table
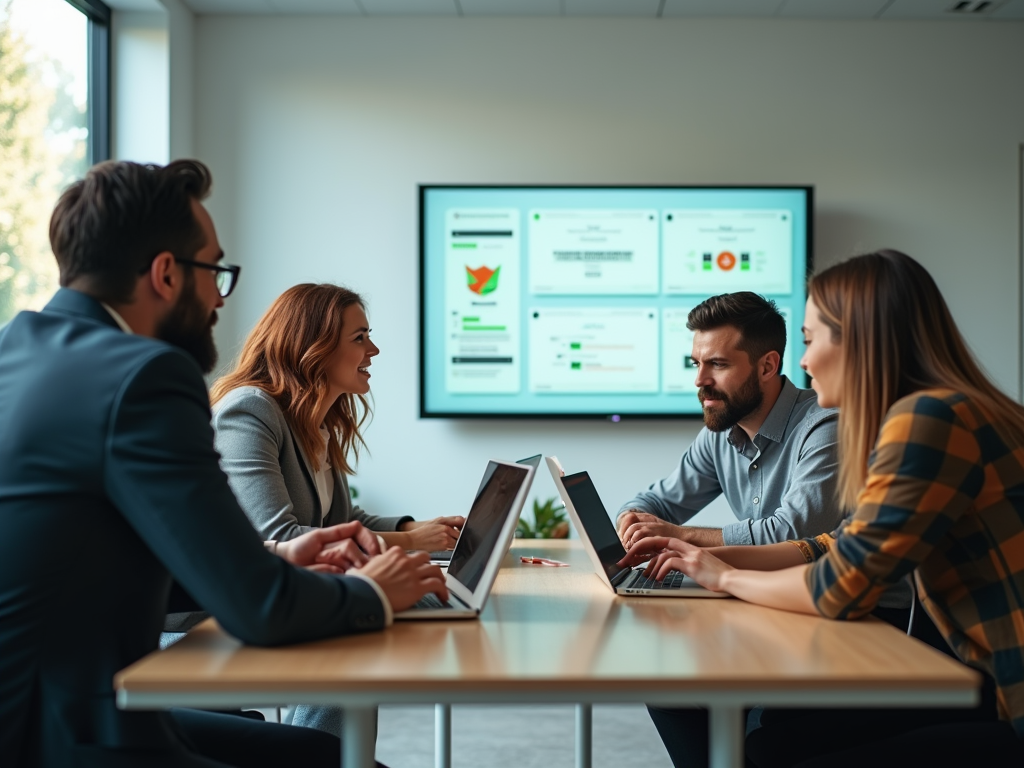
x=558 y=635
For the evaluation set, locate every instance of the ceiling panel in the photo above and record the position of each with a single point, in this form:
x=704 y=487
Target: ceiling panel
x=144 y=6
x=647 y=9
x=1014 y=9
x=832 y=9
x=511 y=7
x=231 y=6
x=410 y=7
x=328 y=7
x=928 y=9
x=744 y=8
x=1007 y=10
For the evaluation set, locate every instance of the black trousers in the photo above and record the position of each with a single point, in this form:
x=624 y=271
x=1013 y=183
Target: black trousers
x=810 y=738
x=230 y=740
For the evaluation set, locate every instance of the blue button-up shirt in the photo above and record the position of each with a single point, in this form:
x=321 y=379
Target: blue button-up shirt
x=781 y=485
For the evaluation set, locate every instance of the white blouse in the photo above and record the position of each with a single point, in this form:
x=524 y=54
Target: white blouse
x=323 y=476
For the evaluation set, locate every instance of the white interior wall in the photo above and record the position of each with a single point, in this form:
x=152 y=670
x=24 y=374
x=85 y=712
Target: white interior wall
x=318 y=130
x=181 y=78
x=141 y=126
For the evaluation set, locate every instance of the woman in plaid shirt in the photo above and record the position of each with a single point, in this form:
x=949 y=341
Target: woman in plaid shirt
x=933 y=465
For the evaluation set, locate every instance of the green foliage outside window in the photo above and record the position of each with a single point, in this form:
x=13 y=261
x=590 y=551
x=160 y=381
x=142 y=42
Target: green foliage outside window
x=42 y=149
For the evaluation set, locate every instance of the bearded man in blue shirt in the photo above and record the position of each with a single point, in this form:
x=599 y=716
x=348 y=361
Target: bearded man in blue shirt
x=767 y=445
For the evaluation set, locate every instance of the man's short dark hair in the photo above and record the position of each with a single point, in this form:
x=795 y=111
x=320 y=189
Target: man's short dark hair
x=761 y=326
x=108 y=227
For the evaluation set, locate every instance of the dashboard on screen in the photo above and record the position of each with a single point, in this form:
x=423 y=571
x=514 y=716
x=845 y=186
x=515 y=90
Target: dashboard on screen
x=572 y=301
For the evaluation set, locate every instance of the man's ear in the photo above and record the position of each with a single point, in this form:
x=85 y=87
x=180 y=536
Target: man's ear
x=769 y=365
x=164 y=279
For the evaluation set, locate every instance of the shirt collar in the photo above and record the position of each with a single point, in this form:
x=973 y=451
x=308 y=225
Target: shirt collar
x=774 y=426
x=117 y=318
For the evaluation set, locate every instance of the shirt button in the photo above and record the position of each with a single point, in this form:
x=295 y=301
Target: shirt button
x=755 y=499
x=753 y=466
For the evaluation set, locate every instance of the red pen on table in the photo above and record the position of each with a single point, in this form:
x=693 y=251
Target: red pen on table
x=542 y=561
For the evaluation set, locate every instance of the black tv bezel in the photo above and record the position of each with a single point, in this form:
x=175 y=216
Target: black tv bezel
x=616 y=417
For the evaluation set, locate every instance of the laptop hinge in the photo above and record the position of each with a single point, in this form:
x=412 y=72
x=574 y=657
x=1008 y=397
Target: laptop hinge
x=621 y=576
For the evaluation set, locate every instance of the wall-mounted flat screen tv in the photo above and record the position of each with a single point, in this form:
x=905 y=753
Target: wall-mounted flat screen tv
x=571 y=301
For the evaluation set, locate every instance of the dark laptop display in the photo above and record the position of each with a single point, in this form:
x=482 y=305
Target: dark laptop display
x=444 y=555
x=595 y=519
x=486 y=519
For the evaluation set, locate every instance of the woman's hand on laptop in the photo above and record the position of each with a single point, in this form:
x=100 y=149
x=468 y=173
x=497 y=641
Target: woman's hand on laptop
x=633 y=526
x=405 y=578
x=433 y=535
x=668 y=554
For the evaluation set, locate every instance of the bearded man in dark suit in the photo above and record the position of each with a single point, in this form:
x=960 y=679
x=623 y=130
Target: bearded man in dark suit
x=110 y=487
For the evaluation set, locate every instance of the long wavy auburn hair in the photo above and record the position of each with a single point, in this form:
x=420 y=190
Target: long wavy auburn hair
x=286 y=356
x=898 y=337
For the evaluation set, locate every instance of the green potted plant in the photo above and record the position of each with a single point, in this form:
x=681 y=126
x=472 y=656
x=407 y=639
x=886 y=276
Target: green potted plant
x=549 y=521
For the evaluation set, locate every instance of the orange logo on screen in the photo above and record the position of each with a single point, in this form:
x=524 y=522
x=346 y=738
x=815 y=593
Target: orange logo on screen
x=726 y=261
x=482 y=280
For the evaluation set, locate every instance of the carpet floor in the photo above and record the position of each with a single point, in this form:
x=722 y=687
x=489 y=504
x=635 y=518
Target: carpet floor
x=519 y=737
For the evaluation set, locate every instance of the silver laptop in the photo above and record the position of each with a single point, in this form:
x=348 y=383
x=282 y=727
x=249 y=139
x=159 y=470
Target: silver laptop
x=485 y=538
x=443 y=556
x=597 y=532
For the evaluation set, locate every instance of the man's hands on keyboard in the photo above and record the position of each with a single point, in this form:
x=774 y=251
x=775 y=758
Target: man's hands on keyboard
x=405 y=578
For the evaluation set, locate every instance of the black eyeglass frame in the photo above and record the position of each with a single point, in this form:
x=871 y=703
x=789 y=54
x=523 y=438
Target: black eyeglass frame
x=231 y=269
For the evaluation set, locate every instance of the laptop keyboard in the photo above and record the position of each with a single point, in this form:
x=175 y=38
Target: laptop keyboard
x=432 y=601
x=673 y=581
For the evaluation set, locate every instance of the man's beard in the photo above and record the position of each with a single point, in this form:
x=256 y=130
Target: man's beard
x=189 y=327
x=738 y=406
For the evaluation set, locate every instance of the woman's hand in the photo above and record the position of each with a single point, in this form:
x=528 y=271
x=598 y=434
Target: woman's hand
x=433 y=535
x=405 y=578
x=667 y=555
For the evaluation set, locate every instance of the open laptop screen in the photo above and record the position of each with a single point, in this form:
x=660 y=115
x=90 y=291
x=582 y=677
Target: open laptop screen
x=529 y=461
x=595 y=520
x=491 y=508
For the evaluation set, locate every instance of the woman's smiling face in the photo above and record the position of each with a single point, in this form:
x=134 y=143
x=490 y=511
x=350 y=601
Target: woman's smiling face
x=348 y=371
x=822 y=357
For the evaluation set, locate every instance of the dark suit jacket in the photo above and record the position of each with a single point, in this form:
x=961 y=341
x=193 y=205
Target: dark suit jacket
x=109 y=485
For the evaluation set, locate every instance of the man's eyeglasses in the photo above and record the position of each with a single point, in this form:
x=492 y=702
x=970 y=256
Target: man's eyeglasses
x=226 y=275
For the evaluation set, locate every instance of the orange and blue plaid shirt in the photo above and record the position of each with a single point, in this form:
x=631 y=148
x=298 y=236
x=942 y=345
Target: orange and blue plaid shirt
x=945 y=498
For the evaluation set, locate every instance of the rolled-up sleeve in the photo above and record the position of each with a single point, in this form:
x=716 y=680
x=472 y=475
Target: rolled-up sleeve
x=691 y=487
x=924 y=474
x=809 y=505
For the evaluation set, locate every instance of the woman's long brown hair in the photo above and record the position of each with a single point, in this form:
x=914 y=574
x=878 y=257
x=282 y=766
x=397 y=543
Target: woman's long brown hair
x=898 y=337
x=286 y=356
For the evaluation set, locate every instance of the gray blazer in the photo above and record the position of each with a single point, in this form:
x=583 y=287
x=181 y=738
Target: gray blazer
x=270 y=474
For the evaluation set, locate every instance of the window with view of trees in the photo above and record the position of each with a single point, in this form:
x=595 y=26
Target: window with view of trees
x=44 y=137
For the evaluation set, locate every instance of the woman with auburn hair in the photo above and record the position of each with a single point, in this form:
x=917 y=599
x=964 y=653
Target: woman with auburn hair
x=288 y=417
x=932 y=463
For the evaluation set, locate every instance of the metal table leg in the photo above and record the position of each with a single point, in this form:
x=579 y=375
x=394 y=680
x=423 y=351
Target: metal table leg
x=443 y=736
x=359 y=737
x=584 y=735
x=726 y=736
